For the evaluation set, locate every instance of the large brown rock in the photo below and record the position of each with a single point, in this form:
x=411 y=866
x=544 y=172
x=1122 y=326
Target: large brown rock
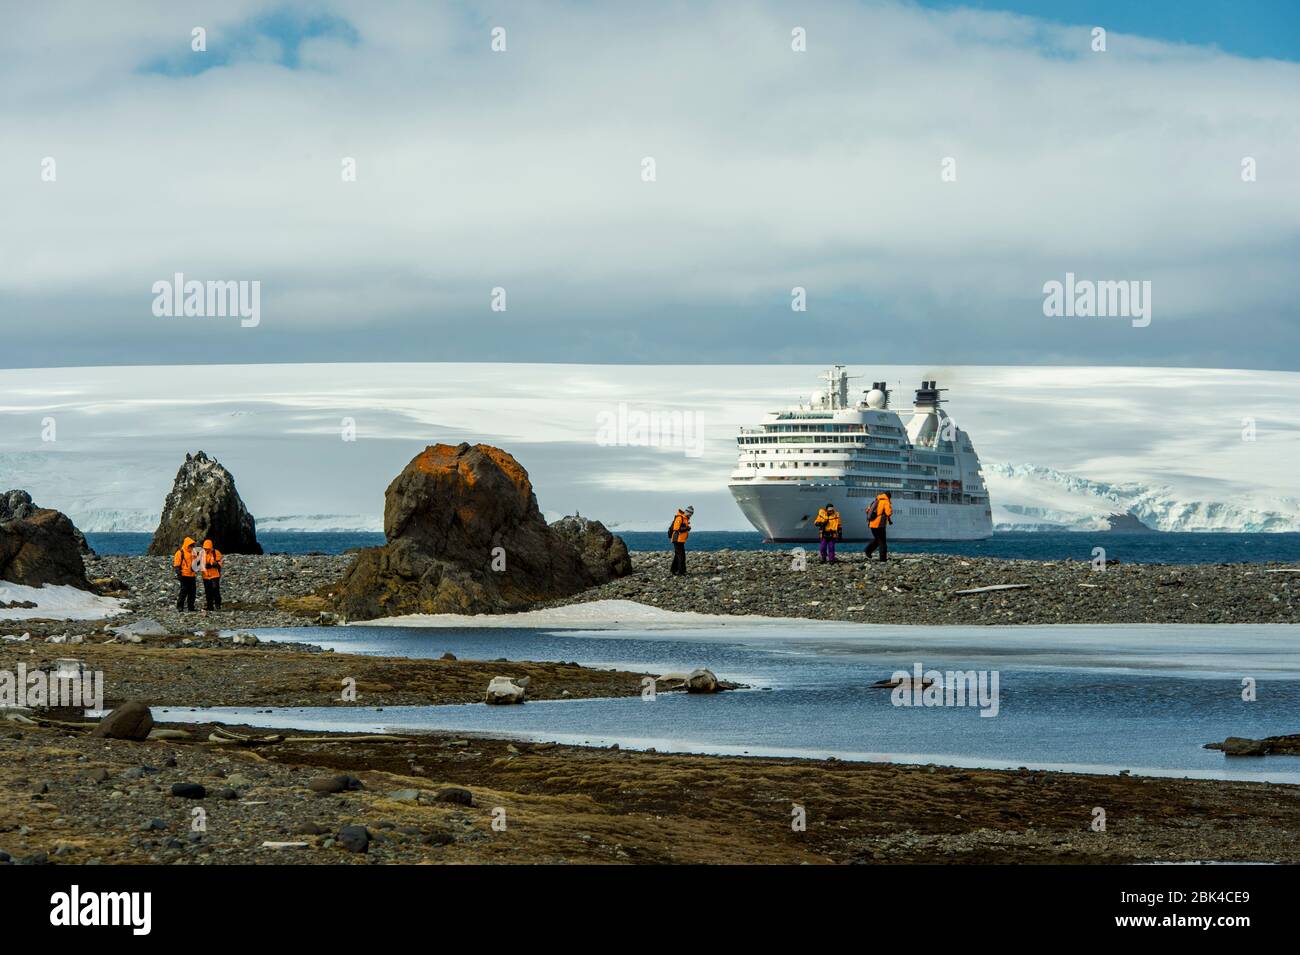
x=129 y=720
x=465 y=536
x=203 y=504
x=15 y=505
x=39 y=545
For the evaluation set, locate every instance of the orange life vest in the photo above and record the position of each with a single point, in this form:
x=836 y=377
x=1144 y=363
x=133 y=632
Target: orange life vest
x=184 y=557
x=828 y=521
x=681 y=527
x=211 y=563
x=883 y=510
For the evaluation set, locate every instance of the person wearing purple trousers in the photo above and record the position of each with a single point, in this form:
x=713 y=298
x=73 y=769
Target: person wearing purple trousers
x=828 y=522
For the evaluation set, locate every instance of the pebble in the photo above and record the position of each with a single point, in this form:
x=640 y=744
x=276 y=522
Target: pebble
x=455 y=794
x=333 y=784
x=354 y=838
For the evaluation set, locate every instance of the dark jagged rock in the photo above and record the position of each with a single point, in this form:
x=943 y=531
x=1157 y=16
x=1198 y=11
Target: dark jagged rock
x=465 y=536
x=1128 y=523
x=354 y=838
x=604 y=555
x=39 y=545
x=204 y=503
x=15 y=505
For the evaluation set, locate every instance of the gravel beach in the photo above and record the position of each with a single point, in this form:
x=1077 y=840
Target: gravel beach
x=928 y=589
x=251 y=587
x=67 y=797
x=279 y=590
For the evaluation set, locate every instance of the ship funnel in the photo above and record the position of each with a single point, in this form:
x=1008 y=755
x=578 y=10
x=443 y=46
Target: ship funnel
x=928 y=395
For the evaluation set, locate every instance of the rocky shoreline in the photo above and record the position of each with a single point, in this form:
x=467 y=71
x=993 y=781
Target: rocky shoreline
x=281 y=590
x=314 y=798
x=943 y=589
x=252 y=586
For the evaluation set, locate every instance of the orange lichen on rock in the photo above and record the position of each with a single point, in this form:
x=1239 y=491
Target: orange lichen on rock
x=448 y=517
x=437 y=458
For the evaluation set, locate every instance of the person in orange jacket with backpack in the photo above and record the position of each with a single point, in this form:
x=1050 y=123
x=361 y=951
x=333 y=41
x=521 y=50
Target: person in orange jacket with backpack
x=828 y=523
x=678 y=531
x=879 y=516
x=183 y=564
x=211 y=576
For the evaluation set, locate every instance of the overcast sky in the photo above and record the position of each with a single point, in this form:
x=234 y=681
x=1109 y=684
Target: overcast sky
x=523 y=170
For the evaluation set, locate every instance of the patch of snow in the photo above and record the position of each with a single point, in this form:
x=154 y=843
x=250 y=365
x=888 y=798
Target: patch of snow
x=594 y=615
x=58 y=603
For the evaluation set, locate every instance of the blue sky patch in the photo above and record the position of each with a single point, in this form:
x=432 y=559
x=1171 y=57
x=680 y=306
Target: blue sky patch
x=281 y=33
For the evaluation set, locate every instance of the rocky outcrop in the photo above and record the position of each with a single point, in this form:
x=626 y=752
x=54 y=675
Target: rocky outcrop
x=16 y=505
x=1128 y=523
x=204 y=503
x=604 y=555
x=39 y=545
x=1269 y=745
x=465 y=536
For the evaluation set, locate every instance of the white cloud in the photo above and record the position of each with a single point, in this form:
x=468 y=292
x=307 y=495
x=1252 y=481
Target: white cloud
x=522 y=169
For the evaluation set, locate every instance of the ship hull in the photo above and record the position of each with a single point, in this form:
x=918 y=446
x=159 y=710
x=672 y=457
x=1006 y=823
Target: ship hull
x=785 y=514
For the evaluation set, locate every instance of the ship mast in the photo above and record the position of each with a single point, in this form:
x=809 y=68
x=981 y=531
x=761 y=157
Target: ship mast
x=837 y=387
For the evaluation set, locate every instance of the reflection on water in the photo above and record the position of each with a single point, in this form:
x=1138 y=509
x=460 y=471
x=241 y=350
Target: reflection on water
x=1087 y=698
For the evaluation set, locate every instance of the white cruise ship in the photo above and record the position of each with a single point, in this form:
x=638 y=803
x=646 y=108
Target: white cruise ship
x=837 y=451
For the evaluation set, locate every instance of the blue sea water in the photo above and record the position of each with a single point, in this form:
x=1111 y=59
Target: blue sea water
x=1087 y=698
x=1134 y=548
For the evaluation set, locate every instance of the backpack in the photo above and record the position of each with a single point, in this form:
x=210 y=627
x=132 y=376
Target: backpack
x=873 y=511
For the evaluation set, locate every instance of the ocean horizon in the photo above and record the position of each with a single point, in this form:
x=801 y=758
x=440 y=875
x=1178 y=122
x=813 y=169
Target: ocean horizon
x=1152 y=548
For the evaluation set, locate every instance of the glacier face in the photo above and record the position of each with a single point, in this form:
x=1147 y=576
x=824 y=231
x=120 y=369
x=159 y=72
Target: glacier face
x=1184 y=449
x=1031 y=497
x=322 y=523
x=109 y=521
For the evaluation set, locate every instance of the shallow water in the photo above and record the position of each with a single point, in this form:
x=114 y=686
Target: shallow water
x=1095 y=698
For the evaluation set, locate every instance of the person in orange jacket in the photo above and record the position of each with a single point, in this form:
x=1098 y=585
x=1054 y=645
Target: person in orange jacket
x=879 y=516
x=677 y=533
x=211 y=576
x=183 y=564
x=828 y=523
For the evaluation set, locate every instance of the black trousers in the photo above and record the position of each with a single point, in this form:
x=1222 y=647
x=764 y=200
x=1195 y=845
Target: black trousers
x=189 y=590
x=878 y=539
x=212 y=593
x=679 y=559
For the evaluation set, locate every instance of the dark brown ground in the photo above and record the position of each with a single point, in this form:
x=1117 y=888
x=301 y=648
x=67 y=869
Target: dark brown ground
x=566 y=804
x=75 y=798
x=259 y=676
